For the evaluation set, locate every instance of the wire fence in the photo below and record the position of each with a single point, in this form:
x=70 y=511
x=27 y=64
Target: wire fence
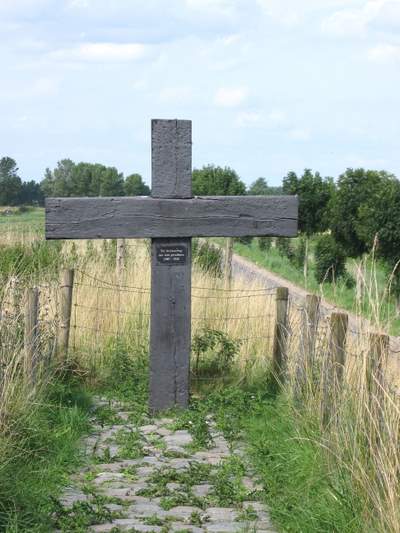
x=106 y=308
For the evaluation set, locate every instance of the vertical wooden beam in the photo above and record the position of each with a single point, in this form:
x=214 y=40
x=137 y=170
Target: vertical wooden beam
x=170 y=330
x=31 y=333
x=66 y=292
x=339 y=325
x=306 y=356
x=375 y=367
x=228 y=261
x=379 y=349
x=334 y=366
x=120 y=259
x=280 y=334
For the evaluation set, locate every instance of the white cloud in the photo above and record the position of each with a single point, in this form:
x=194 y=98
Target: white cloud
x=247 y=118
x=291 y=13
x=357 y=20
x=230 y=97
x=276 y=116
x=176 y=95
x=300 y=134
x=383 y=53
x=21 y=6
x=102 y=52
x=218 y=6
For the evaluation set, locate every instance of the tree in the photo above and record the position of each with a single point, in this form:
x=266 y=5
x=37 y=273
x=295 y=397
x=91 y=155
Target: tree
x=82 y=179
x=10 y=182
x=378 y=221
x=355 y=188
x=135 y=186
x=260 y=187
x=111 y=182
x=217 y=181
x=31 y=193
x=59 y=181
x=314 y=194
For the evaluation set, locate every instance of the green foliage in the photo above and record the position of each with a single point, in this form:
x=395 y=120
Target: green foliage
x=208 y=258
x=260 y=187
x=90 y=179
x=314 y=194
x=37 y=455
x=214 y=351
x=217 y=181
x=246 y=239
x=284 y=247
x=37 y=257
x=264 y=243
x=379 y=223
x=10 y=182
x=357 y=188
x=330 y=259
x=299 y=253
x=135 y=186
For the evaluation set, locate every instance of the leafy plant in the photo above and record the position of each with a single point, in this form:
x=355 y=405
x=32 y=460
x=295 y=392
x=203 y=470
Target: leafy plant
x=217 y=348
x=330 y=259
x=264 y=243
x=208 y=258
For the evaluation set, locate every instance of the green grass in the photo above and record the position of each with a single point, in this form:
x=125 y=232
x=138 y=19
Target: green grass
x=338 y=294
x=37 y=456
x=304 y=493
x=31 y=221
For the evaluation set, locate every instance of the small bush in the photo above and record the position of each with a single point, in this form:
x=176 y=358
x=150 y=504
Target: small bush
x=209 y=258
x=299 y=253
x=264 y=243
x=330 y=259
x=216 y=349
x=244 y=240
x=285 y=248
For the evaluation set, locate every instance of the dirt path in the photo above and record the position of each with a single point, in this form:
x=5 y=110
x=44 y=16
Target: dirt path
x=246 y=269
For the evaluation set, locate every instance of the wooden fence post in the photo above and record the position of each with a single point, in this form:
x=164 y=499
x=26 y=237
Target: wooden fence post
x=66 y=289
x=378 y=353
x=121 y=258
x=306 y=356
x=334 y=364
x=31 y=333
x=280 y=334
x=339 y=325
x=228 y=261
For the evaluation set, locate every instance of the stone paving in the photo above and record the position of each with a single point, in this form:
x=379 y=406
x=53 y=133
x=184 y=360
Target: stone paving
x=154 y=478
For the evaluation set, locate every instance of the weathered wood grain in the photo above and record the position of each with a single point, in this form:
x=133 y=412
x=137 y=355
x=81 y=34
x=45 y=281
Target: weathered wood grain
x=170 y=331
x=144 y=217
x=171 y=145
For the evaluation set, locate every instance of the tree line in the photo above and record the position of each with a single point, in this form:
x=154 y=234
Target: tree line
x=351 y=215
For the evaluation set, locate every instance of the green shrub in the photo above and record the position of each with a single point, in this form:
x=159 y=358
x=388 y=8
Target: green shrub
x=215 y=350
x=285 y=248
x=246 y=240
x=264 y=243
x=208 y=258
x=20 y=260
x=330 y=259
x=299 y=253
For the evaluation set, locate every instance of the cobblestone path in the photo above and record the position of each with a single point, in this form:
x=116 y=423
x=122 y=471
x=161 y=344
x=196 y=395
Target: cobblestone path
x=154 y=478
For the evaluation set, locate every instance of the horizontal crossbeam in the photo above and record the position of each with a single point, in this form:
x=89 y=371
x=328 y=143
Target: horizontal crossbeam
x=144 y=217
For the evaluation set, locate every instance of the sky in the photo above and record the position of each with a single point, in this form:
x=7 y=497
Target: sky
x=270 y=85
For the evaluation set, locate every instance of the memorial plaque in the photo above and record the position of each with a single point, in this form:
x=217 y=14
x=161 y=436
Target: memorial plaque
x=171 y=255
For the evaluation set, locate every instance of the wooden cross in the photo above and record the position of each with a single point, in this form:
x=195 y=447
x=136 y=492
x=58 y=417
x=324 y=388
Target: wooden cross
x=170 y=217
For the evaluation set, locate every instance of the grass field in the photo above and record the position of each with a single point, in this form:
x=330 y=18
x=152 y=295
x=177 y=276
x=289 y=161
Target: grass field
x=22 y=226
x=377 y=306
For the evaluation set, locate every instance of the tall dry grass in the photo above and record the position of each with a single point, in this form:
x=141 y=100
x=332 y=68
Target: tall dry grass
x=361 y=436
